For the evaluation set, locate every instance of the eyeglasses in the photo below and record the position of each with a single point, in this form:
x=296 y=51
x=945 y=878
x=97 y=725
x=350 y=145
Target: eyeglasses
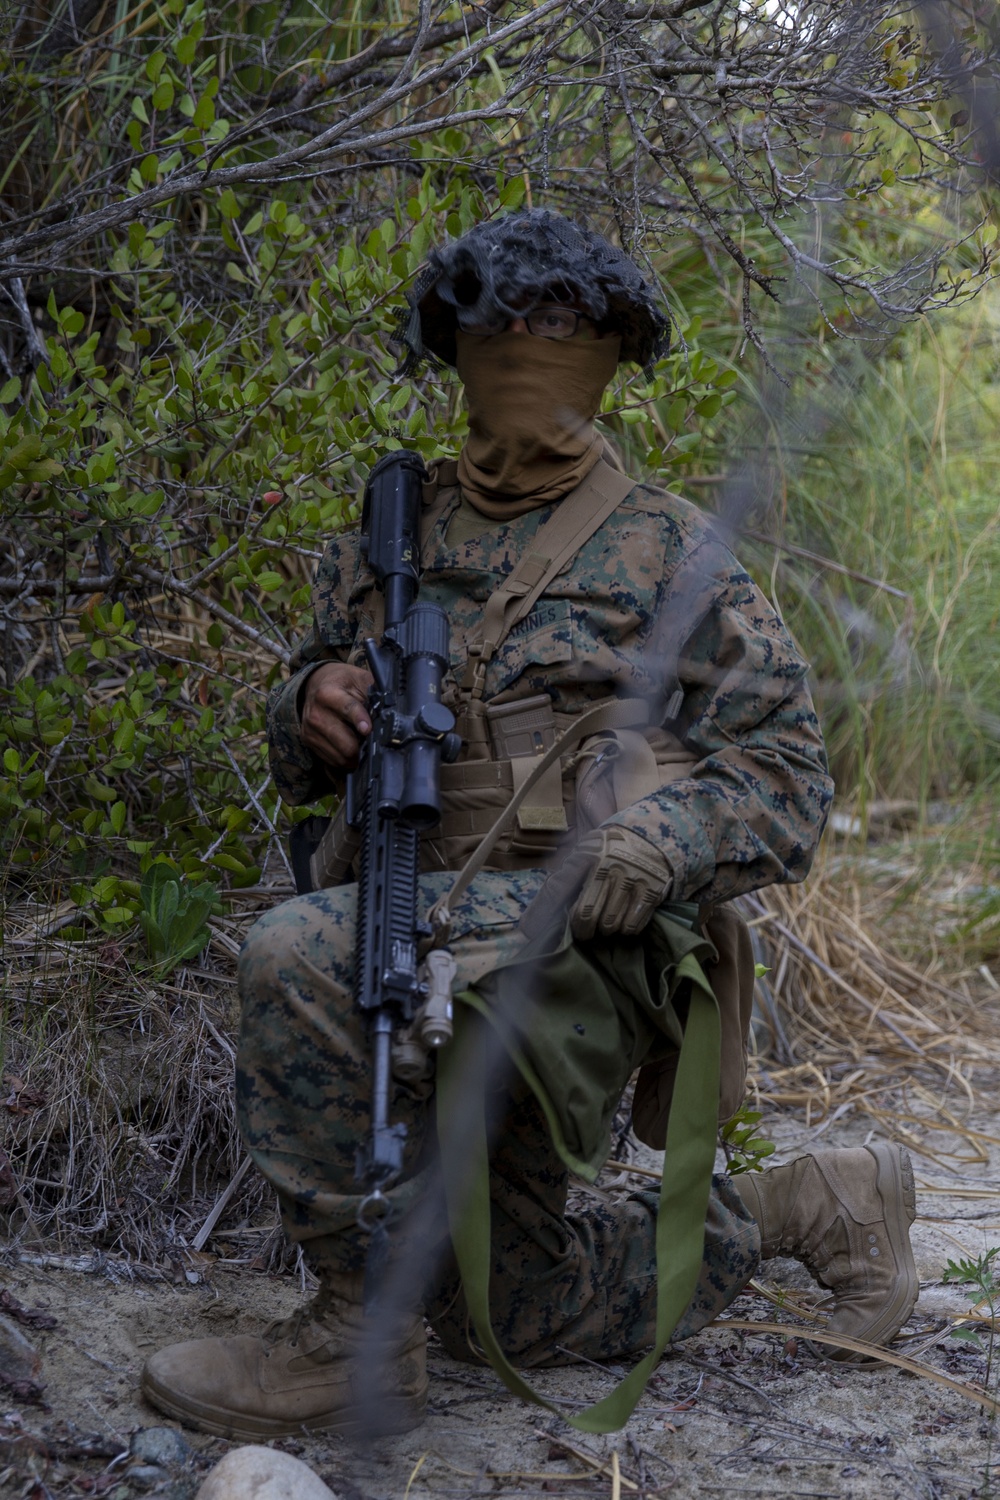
x=543 y=322
x=555 y=322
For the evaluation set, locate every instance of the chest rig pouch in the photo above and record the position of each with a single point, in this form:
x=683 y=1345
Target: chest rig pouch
x=521 y=732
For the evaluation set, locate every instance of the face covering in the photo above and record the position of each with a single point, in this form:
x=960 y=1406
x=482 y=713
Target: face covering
x=532 y=403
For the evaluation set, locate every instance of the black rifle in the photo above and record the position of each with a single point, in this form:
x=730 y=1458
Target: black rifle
x=392 y=797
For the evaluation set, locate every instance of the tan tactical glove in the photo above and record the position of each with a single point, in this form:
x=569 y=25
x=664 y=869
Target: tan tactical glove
x=614 y=879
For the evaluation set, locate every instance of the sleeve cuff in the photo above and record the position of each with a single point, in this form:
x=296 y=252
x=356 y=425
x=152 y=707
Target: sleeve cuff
x=677 y=834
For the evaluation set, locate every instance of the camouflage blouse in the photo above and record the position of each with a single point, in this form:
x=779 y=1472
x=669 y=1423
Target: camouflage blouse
x=653 y=606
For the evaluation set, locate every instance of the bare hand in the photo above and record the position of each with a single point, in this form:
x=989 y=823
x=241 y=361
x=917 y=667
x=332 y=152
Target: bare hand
x=335 y=716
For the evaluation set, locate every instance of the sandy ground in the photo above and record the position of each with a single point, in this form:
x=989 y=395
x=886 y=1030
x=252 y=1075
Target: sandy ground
x=730 y=1412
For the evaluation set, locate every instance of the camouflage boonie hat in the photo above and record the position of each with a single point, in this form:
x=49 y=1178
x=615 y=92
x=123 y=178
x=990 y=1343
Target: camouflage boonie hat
x=508 y=265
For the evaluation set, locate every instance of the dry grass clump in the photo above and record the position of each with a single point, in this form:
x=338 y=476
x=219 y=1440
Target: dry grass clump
x=117 y=1103
x=872 y=1002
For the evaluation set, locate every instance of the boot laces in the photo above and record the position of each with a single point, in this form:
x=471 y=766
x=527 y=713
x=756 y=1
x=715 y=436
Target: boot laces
x=290 y=1329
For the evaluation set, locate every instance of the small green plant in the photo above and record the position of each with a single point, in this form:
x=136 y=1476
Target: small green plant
x=745 y=1150
x=174 y=915
x=981 y=1276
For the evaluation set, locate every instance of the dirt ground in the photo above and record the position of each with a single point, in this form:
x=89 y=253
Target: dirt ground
x=730 y=1412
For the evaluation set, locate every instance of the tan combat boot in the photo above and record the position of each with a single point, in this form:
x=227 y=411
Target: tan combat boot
x=301 y=1373
x=846 y=1216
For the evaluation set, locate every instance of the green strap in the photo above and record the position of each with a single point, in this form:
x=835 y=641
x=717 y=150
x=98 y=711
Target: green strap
x=684 y=1194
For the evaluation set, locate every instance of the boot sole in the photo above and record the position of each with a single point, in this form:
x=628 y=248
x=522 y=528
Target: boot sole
x=894 y=1182
x=394 y=1417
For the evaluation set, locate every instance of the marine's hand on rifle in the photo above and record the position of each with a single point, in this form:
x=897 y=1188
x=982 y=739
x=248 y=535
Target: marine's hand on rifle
x=335 y=718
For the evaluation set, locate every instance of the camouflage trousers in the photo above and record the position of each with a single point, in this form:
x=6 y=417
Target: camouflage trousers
x=563 y=1283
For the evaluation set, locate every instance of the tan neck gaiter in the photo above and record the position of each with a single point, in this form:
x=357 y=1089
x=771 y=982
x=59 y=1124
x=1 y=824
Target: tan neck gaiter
x=532 y=403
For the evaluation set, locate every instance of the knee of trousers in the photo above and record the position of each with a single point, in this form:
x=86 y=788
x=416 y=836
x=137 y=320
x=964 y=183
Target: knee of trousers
x=302 y=951
x=298 y=1028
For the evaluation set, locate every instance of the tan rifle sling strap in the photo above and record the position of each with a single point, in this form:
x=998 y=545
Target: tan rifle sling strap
x=573 y=522
x=442 y=478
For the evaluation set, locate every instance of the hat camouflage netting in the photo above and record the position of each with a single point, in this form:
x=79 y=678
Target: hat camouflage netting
x=509 y=265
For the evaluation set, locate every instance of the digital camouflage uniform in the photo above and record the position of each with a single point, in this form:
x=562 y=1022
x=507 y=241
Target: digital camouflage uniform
x=652 y=607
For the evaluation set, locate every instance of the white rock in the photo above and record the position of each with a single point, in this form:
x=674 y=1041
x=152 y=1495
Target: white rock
x=254 y=1473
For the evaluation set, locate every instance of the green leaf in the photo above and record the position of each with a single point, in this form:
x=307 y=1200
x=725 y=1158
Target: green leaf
x=229 y=862
x=44 y=470
x=124 y=737
x=676 y=413
x=193 y=946
x=98 y=791
x=168 y=900
x=228 y=206
x=118 y=916
x=512 y=193
x=12 y=388
x=139 y=110
x=184 y=48
x=155 y=941
x=188 y=922
x=163 y=94
x=204 y=113
x=118 y=814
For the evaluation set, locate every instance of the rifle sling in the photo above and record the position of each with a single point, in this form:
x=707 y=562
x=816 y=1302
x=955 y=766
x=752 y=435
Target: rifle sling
x=573 y=521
